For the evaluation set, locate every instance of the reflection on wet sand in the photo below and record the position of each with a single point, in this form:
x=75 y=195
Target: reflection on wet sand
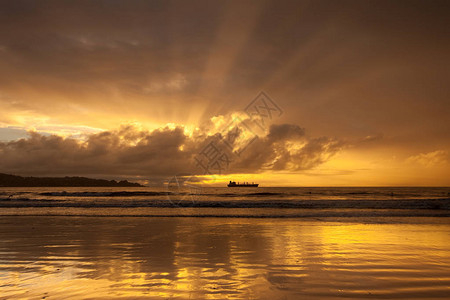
x=217 y=258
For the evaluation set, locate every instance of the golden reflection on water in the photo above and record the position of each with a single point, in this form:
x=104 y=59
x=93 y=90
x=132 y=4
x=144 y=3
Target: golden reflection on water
x=217 y=258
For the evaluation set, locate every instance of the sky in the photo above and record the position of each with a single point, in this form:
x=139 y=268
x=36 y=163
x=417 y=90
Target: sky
x=285 y=93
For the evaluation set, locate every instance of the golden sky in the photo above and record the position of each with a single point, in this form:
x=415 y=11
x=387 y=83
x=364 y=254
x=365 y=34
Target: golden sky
x=138 y=89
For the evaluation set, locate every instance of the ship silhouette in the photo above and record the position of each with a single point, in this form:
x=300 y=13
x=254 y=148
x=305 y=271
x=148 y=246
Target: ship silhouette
x=244 y=184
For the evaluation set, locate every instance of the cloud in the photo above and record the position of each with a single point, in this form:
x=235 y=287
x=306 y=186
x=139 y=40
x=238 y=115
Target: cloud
x=285 y=132
x=131 y=151
x=430 y=159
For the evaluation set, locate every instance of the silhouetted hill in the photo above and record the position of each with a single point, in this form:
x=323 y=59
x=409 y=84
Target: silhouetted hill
x=7 y=180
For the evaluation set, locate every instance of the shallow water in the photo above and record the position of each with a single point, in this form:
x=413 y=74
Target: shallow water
x=223 y=258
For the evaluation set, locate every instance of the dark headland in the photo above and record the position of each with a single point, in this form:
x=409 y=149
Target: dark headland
x=7 y=180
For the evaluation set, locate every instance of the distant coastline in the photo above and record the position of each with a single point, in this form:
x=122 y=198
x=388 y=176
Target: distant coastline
x=7 y=180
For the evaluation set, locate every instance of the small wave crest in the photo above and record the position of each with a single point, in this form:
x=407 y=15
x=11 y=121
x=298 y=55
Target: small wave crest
x=104 y=194
x=146 y=193
x=436 y=204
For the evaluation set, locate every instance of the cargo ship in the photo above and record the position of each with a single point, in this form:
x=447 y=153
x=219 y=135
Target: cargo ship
x=244 y=184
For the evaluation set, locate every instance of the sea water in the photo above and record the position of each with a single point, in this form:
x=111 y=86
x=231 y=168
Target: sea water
x=224 y=243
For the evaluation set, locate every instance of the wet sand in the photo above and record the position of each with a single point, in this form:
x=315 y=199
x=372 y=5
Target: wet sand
x=223 y=258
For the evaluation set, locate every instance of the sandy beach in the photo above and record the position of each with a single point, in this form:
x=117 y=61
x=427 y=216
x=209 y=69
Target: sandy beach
x=44 y=257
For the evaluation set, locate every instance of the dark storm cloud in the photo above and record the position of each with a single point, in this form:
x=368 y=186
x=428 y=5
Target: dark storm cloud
x=285 y=132
x=123 y=152
x=286 y=147
x=163 y=152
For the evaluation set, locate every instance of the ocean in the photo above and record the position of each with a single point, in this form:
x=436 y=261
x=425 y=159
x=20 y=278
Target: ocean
x=224 y=243
x=228 y=202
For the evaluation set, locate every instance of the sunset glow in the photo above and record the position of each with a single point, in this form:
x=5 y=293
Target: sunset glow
x=368 y=102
